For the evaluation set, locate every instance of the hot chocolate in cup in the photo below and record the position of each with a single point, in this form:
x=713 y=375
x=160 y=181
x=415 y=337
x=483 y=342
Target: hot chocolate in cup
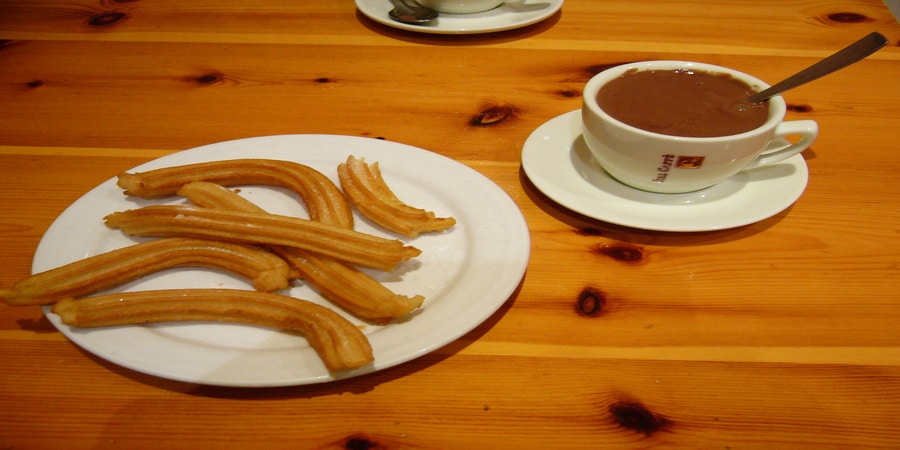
x=687 y=146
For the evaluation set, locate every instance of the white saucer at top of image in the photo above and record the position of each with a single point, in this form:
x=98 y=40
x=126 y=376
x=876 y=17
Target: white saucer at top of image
x=557 y=161
x=510 y=15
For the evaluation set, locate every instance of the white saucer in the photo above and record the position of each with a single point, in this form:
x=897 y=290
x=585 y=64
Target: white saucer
x=510 y=15
x=558 y=162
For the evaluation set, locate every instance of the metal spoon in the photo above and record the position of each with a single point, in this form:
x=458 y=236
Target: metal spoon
x=843 y=58
x=412 y=14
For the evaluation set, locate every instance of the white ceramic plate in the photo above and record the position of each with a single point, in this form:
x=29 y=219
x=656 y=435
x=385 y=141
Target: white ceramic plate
x=558 y=162
x=465 y=273
x=510 y=15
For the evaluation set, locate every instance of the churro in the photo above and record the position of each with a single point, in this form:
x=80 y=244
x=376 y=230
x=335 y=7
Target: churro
x=349 y=288
x=344 y=285
x=213 y=195
x=339 y=343
x=367 y=191
x=257 y=228
x=323 y=199
x=267 y=271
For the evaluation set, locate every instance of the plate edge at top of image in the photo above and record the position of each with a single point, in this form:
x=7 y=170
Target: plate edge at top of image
x=502 y=18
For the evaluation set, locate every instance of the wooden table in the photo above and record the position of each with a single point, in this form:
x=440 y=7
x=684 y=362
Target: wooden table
x=782 y=333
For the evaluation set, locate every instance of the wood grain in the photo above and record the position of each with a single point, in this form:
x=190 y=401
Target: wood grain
x=778 y=334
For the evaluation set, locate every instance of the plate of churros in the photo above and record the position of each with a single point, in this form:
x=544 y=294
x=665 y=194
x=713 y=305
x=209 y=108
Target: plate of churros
x=279 y=260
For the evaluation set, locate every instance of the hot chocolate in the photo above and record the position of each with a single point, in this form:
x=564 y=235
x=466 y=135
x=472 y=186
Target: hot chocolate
x=682 y=102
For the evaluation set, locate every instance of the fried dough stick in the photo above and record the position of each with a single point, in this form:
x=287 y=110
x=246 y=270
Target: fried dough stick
x=339 y=343
x=267 y=271
x=369 y=193
x=216 y=196
x=349 y=288
x=259 y=228
x=342 y=284
x=323 y=199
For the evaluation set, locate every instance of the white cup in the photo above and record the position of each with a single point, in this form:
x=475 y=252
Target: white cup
x=460 y=6
x=674 y=164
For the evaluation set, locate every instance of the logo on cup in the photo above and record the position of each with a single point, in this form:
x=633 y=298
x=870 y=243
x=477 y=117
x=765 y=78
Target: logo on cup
x=689 y=162
x=662 y=172
x=670 y=162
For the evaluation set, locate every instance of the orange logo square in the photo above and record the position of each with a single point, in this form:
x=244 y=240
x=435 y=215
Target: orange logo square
x=689 y=162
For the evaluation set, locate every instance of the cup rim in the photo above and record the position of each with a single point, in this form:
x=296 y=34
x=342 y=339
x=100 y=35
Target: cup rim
x=593 y=85
x=462 y=6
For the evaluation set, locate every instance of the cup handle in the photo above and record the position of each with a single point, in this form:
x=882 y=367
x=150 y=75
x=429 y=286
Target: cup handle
x=806 y=129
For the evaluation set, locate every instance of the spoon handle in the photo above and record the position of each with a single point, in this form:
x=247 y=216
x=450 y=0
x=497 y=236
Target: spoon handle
x=849 y=55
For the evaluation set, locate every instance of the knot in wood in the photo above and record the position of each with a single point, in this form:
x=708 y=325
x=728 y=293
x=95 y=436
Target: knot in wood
x=848 y=17
x=637 y=417
x=591 y=301
x=106 y=19
x=622 y=252
x=494 y=115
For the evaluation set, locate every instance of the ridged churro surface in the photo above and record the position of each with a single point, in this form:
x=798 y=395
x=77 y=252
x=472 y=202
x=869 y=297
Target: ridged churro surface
x=258 y=228
x=323 y=199
x=267 y=271
x=339 y=343
x=350 y=288
x=367 y=191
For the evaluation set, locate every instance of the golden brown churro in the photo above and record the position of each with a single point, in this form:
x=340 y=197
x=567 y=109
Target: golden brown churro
x=257 y=228
x=267 y=271
x=343 y=285
x=349 y=288
x=368 y=192
x=324 y=200
x=339 y=343
x=216 y=196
